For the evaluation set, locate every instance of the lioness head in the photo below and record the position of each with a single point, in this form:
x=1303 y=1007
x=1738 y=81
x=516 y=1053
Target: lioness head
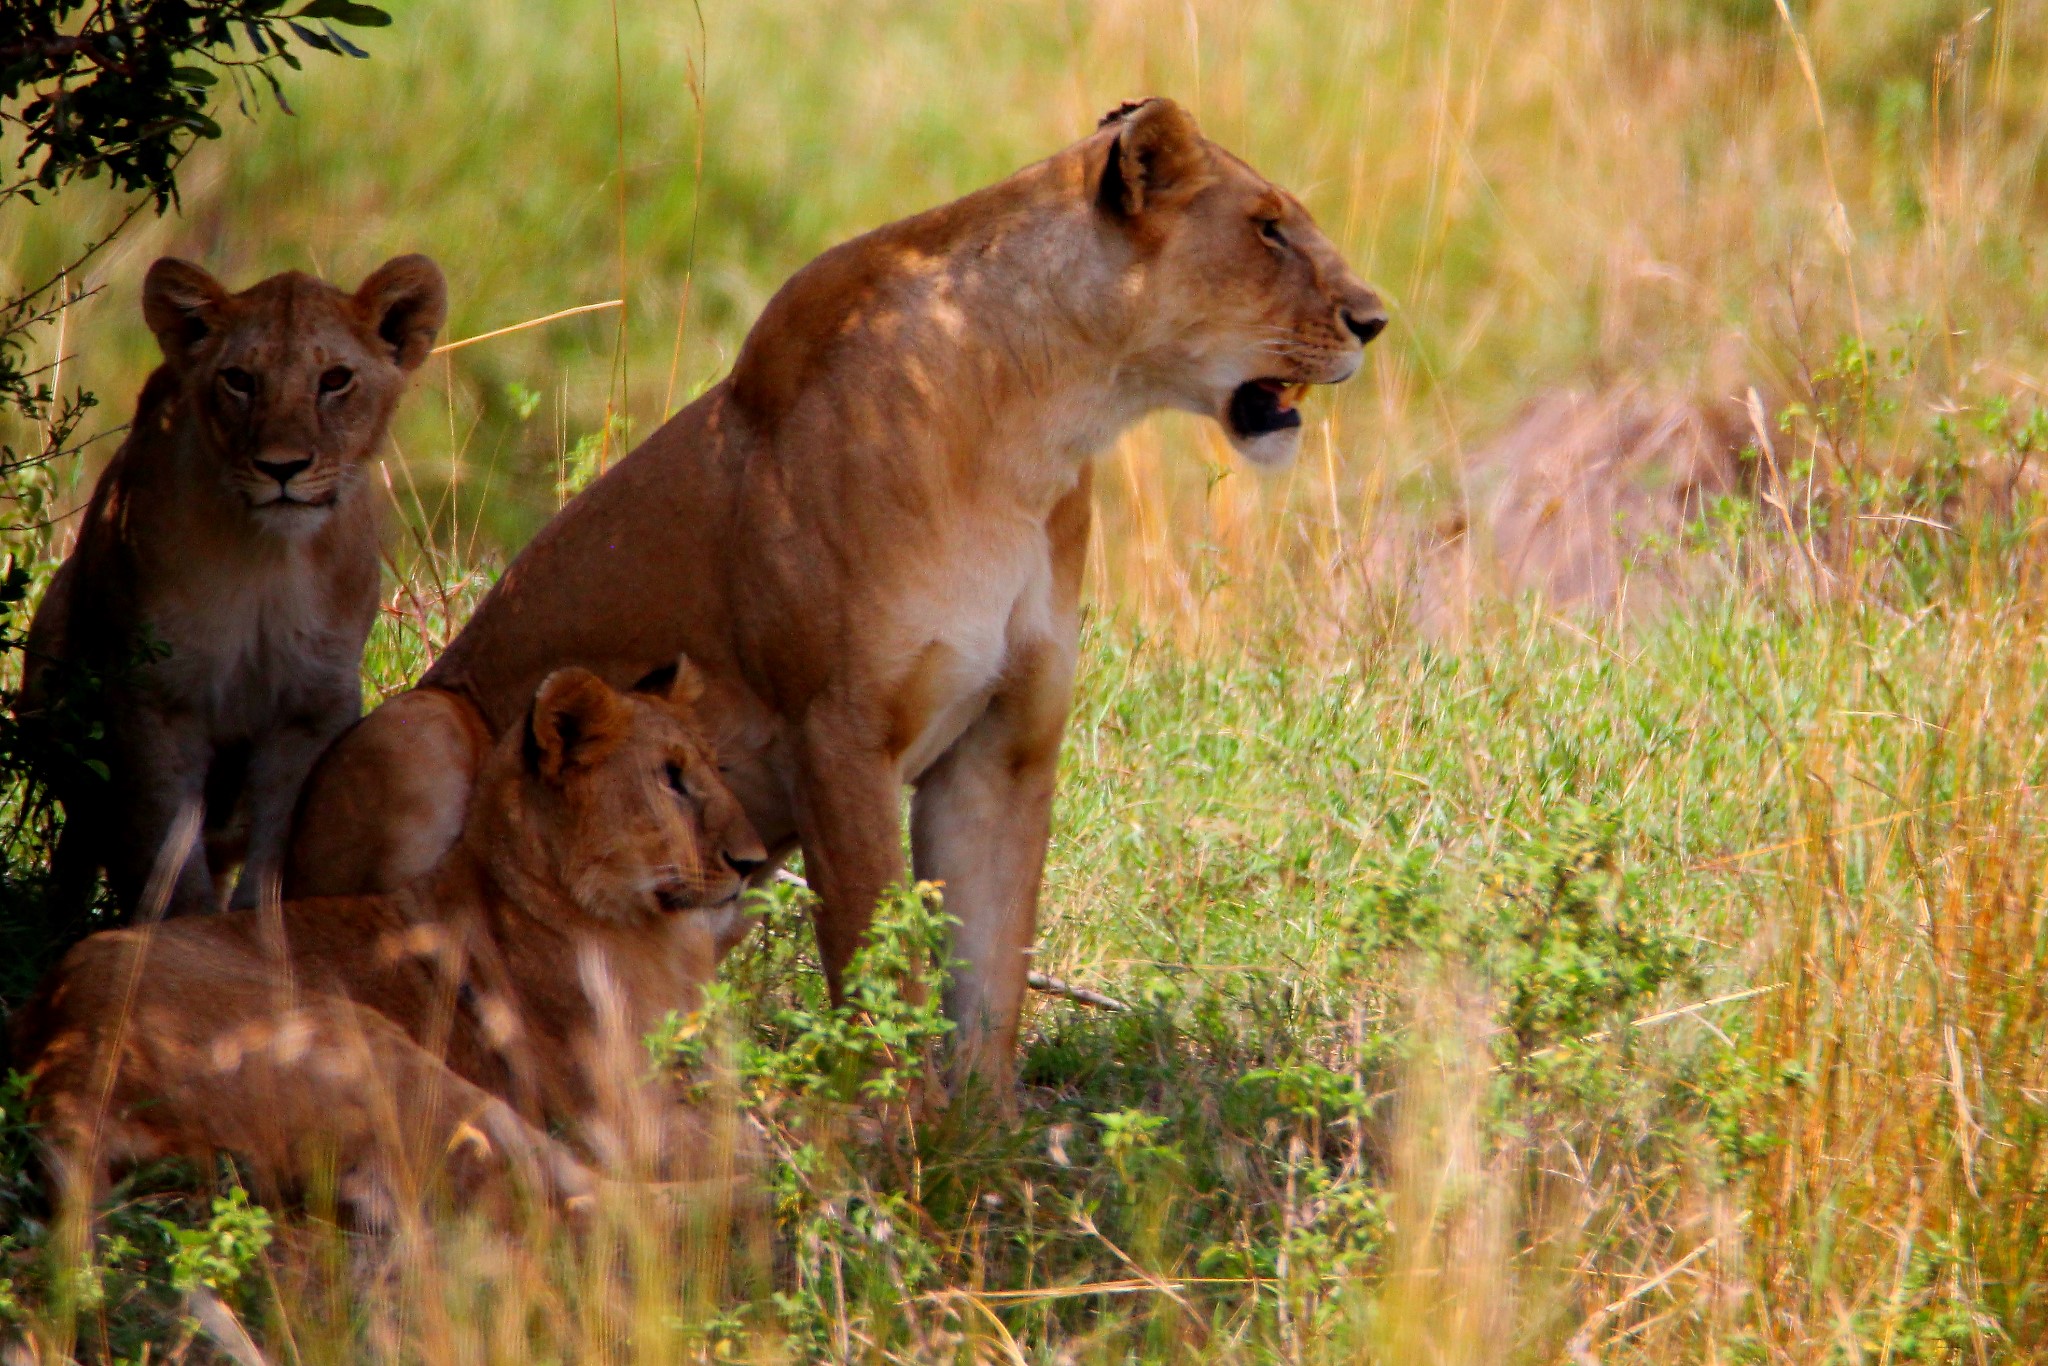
x=615 y=799
x=292 y=382
x=1249 y=303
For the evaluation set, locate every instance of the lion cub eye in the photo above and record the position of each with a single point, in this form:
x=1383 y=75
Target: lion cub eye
x=674 y=774
x=1269 y=228
x=238 y=381
x=336 y=378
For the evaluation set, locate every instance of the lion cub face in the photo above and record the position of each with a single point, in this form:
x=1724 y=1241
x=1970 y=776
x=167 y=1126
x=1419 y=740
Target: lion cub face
x=292 y=382
x=622 y=802
x=1251 y=302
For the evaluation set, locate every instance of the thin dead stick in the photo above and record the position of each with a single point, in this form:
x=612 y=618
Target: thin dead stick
x=1086 y=1223
x=1051 y=1292
x=446 y=347
x=1153 y=1286
x=1053 y=986
x=1037 y=981
x=1838 y=214
x=1661 y=1016
x=1580 y=1348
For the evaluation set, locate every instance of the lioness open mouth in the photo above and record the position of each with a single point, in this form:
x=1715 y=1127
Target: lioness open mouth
x=1261 y=406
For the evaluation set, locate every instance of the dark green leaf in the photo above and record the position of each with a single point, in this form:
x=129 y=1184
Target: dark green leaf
x=312 y=39
x=193 y=75
x=344 y=44
x=346 y=12
x=277 y=90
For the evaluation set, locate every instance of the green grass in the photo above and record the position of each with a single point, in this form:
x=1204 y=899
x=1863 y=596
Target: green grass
x=1384 y=915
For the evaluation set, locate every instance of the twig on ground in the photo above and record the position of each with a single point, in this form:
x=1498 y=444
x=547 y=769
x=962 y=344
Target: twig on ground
x=1053 y=986
x=1038 y=981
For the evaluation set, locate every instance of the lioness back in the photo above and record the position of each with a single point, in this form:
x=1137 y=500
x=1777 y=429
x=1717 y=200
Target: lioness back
x=226 y=572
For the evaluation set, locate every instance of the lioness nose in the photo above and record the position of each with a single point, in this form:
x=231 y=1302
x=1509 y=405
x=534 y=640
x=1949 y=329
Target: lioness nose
x=283 y=471
x=1365 y=324
x=744 y=864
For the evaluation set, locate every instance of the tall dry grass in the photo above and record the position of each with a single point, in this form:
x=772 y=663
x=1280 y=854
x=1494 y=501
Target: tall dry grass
x=1548 y=194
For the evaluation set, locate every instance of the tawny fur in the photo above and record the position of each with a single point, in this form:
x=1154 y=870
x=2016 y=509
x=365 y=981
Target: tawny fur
x=225 y=575
x=388 y=1042
x=871 y=534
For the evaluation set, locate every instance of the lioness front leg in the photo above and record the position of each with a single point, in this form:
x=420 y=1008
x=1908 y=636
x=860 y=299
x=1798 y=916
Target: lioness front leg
x=848 y=822
x=980 y=823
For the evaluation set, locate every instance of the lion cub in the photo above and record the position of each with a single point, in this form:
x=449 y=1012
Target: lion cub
x=226 y=574
x=396 y=1039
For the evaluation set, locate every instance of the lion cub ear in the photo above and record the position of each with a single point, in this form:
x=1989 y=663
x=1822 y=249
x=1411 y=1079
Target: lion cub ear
x=1156 y=161
x=575 y=722
x=405 y=301
x=183 y=306
x=681 y=683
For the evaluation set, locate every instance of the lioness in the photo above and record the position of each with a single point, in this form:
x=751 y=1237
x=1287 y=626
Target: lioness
x=871 y=534
x=387 y=1034
x=225 y=575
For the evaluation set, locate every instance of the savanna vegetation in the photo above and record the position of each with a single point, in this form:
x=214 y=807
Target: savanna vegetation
x=1645 y=970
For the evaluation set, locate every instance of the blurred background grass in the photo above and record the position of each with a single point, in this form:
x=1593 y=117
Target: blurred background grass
x=1548 y=193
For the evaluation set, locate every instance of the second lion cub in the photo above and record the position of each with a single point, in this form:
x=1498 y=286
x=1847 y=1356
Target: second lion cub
x=226 y=574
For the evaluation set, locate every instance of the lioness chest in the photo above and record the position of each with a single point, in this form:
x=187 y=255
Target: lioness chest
x=965 y=617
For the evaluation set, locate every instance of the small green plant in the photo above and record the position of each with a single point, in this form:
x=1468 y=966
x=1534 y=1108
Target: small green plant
x=222 y=1253
x=588 y=455
x=1568 y=940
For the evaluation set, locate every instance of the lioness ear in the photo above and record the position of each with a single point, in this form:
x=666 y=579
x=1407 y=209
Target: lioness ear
x=1157 y=158
x=183 y=306
x=575 y=721
x=406 y=301
x=681 y=682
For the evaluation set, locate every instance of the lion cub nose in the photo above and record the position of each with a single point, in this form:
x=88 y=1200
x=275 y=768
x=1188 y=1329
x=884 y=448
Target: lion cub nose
x=1365 y=324
x=283 y=471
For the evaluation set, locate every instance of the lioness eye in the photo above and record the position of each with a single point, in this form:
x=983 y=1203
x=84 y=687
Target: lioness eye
x=1269 y=228
x=674 y=773
x=335 y=379
x=238 y=381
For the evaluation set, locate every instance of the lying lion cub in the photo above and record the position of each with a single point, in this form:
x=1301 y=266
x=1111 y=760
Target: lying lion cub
x=387 y=1037
x=226 y=570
